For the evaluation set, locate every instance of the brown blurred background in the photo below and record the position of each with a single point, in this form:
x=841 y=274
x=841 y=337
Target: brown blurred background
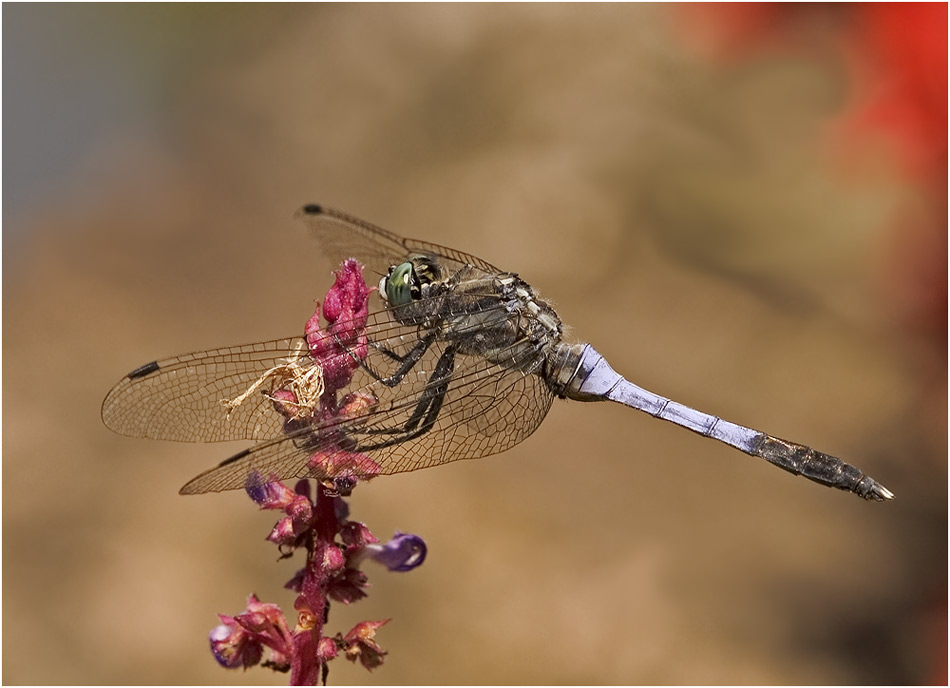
x=722 y=200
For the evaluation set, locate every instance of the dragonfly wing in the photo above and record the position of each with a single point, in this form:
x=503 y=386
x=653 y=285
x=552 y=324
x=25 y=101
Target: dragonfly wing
x=343 y=236
x=485 y=409
x=220 y=394
x=185 y=398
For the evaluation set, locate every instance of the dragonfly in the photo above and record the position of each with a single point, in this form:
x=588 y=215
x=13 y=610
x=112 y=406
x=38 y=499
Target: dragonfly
x=455 y=359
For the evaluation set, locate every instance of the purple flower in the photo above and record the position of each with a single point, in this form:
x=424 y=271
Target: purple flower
x=268 y=495
x=403 y=553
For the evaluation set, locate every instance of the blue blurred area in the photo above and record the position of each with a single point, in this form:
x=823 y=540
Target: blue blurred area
x=67 y=85
x=76 y=76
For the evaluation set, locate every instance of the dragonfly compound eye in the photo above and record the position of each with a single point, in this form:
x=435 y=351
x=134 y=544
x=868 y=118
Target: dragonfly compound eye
x=401 y=284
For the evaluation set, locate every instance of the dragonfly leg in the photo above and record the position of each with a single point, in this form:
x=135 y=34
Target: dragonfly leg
x=427 y=409
x=407 y=362
x=430 y=403
x=388 y=352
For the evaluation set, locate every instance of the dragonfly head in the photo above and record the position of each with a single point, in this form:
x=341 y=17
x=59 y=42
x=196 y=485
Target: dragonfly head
x=409 y=281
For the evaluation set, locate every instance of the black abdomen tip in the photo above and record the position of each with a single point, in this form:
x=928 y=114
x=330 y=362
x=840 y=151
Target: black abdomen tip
x=144 y=370
x=313 y=209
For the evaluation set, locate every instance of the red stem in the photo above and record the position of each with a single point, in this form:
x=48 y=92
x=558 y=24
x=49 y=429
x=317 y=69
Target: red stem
x=312 y=604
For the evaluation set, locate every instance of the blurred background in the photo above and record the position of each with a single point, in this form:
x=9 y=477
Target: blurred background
x=742 y=207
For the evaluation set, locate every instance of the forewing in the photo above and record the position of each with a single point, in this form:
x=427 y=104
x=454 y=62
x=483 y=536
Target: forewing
x=343 y=236
x=185 y=398
x=223 y=394
x=486 y=409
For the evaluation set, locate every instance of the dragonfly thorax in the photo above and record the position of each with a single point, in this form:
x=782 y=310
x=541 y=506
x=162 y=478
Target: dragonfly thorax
x=499 y=318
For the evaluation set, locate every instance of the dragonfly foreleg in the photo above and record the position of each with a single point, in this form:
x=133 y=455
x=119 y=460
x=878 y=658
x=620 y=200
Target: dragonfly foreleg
x=408 y=362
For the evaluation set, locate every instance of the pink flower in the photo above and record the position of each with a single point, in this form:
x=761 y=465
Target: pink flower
x=240 y=640
x=346 y=310
x=359 y=644
x=316 y=521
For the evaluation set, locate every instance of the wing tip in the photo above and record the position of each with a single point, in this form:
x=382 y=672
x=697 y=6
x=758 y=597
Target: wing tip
x=196 y=486
x=201 y=484
x=144 y=370
x=312 y=209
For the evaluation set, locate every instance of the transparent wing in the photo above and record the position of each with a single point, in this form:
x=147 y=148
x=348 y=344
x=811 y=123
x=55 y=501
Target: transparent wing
x=183 y=398
x=343 y=236
x=471 y=409
x=485 y=409
x=186 y=398
x=221 y=394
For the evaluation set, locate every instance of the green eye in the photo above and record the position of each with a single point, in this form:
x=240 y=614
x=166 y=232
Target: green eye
x=399 y=285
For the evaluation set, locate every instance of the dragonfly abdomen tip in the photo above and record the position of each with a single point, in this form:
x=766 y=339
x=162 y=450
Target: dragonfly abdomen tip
x=879 y=493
